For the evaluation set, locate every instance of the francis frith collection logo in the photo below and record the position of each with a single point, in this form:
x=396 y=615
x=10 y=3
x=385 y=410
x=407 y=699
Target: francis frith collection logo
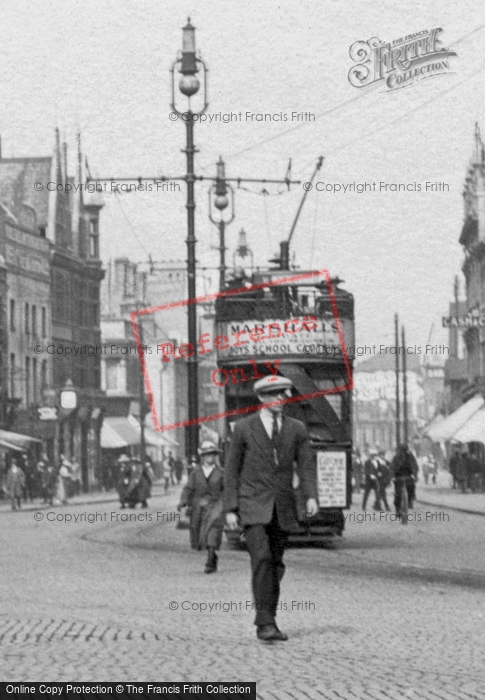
x=401 y=62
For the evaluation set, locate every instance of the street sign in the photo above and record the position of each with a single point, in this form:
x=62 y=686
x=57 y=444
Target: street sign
x=468 y=321
x=47 y=413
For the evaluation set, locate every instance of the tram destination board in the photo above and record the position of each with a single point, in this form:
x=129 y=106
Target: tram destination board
x=159 y=690
x=284 y=337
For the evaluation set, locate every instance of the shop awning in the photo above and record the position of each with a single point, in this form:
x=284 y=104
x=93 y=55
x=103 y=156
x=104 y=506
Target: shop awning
x=437 y=420
x=447 y=429
x=4 y=445
x=17 y=440
x=118 y=432
x=473 y=430
x=110 y=438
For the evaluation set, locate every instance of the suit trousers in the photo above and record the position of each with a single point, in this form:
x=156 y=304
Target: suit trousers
x=371 y=485
x=266 y=545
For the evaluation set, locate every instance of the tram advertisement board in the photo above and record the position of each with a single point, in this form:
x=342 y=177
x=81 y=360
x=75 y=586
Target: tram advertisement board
x=279 y=337
x=332 y=479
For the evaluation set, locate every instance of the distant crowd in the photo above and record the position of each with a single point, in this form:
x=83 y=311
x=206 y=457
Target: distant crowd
x=376 y=470
x=27 y=479
x=467 y=471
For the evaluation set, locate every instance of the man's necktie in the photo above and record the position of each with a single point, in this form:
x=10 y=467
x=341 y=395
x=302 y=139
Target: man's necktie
x=274 y=433
x=274 y=437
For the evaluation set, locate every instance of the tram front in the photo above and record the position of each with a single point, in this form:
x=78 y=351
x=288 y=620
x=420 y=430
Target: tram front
x=300 y=327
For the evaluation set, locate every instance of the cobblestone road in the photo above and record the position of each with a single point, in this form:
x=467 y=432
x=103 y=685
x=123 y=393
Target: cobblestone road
x=391 y=612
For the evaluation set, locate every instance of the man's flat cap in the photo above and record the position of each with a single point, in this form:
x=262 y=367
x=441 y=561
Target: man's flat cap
x=208 y=448
x=272 y=385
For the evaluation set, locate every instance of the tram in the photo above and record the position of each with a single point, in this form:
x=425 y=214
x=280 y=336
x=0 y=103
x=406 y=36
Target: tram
x=299 y=325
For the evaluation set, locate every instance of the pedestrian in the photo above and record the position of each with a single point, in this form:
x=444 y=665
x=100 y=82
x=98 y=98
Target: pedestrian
x=26 y=466
x=202 y=494
x=425 y=466
x=473 y=470
x=145 y=485
x=65 y=482
x=139 y=486
x=75 y=476
x=49 y=480
x=371 y=483
x=166 y=473
x=179 y=469
x=171 y=462
x=259 y=494
x=453 y=464
x=124 y=477
x=404 y=470
x=383 y=478
x=357 y=471
x=461 y=472
x=15 y=484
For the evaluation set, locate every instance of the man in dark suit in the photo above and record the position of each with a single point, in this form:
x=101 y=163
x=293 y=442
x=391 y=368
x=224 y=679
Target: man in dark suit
x=258 y=493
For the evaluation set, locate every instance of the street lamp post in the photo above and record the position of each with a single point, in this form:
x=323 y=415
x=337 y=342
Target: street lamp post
x=188 y=65
x=219 y=199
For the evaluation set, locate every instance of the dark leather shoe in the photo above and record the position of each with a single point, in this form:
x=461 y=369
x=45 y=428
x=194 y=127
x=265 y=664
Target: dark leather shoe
x=211 y=563
x=270 y=633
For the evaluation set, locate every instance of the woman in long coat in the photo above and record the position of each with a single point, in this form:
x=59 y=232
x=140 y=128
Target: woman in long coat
x=14 y=485
x=203 y=495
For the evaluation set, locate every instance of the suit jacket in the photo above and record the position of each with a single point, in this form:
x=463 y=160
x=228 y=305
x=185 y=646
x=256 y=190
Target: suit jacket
x=255 y=482
x=370 y=468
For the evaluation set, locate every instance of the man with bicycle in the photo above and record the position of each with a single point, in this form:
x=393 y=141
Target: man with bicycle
x=404 y=471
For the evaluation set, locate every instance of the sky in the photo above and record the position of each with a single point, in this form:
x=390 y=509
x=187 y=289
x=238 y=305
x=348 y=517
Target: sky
x=102 y=66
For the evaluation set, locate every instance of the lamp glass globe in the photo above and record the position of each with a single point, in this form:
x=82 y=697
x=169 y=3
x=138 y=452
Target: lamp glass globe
x=189 y=85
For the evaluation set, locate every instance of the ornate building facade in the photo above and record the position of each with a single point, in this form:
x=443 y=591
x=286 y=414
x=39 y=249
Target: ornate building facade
x=50 y=242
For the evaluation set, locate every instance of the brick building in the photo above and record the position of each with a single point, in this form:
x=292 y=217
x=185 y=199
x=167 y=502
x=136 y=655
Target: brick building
x=53 y=276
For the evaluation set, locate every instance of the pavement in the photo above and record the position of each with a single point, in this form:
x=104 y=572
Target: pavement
x=442 y=495
x=94 y=497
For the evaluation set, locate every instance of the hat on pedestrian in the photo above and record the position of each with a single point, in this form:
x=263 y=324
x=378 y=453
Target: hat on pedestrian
x=273 y=385
x=208 y=448
x=123 y=458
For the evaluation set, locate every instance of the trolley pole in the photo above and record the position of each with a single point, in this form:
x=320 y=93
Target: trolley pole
x=398 y=406
x=405 y=389
x=141 y=397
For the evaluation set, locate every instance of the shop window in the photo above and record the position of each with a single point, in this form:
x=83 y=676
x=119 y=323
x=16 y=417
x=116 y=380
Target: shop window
x=43 y=375
x=93 y=238
x=112 y=376
x=12 y=315
x=27 y=319
x=27 y=381
x=12 y=375
x=35 y=387
x=34 y=320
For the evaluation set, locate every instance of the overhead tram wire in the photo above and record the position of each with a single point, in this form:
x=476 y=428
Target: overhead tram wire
x=341 y=105
x=409 y=112
x=132 y=228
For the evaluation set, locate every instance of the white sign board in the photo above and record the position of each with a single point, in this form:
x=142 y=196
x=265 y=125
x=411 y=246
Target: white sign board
x=332 y=479
x=283 y=337
x=47 y=413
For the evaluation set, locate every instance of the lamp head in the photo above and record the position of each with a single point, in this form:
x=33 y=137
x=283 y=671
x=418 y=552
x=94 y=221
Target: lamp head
x=242 y=249
x=221 y=188
x=189 y=84
x=221 y=201
x=188 y=67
